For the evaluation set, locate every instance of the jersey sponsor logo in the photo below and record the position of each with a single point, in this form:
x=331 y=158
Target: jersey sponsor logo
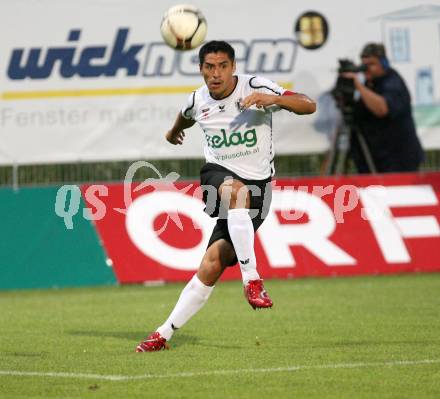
x=248 y=138
x=77 y=58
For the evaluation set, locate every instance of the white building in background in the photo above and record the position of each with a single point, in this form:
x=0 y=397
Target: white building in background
x=412 y=40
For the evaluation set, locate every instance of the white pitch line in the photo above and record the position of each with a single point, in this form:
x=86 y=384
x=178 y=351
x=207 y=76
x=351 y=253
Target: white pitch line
x=62 y=375
x=219 y=372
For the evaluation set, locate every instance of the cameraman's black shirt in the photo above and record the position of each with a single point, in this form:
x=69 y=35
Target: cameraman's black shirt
x=392 y=140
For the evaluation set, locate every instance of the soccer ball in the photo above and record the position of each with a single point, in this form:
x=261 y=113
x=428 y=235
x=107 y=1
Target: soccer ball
x=183 y=27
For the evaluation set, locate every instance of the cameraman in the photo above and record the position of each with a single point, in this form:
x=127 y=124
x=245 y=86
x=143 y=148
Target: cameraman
x=382 y=117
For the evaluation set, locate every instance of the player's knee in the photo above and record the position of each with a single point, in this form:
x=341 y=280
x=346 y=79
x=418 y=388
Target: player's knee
x=212 y=265
x=210 y=268
x=240 y=198
x=235 y=194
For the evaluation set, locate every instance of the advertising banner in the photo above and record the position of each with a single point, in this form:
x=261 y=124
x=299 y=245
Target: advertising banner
x=36 y=249
x=93 y=80
x=341 y=226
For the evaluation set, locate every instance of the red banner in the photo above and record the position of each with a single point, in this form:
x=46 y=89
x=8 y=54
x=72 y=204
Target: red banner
x=328 y=226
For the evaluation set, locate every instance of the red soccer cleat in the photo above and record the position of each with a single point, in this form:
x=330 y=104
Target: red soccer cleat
x=256 y=294
x=154 y=342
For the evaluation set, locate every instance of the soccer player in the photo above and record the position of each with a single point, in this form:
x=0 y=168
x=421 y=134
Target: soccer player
x=235 y=114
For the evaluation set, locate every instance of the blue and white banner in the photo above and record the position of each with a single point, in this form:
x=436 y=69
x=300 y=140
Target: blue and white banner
x=92 y=80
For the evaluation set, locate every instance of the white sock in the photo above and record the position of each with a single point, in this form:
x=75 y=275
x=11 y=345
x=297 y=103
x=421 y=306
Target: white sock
x=193 y=297
x=242 y=235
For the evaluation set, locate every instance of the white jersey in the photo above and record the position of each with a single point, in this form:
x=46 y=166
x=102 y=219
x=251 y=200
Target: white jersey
x=239 y=140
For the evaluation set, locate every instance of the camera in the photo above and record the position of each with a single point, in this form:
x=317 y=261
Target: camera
x=346 y=65
x=343 y=92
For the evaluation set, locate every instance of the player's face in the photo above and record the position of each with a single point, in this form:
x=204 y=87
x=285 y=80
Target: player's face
x=218 y=72
x=375 y=68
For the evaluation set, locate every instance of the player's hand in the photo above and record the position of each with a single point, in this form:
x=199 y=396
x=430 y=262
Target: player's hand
x=260 y=100
x=175 y=138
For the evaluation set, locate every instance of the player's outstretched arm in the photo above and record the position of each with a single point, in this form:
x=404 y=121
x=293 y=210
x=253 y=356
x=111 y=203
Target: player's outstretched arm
x=294 y=102
x=176 y=134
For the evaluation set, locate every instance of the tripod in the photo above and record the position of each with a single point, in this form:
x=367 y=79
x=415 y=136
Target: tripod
x=337 y=160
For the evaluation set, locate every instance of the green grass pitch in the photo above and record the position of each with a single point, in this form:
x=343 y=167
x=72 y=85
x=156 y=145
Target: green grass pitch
x=363 y=337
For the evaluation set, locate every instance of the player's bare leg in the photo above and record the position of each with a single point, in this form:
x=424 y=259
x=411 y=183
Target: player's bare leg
x=217 y=257
x=194 y=295
x=235 y=197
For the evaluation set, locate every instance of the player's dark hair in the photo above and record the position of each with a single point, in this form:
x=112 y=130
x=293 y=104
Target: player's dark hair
x=216 y=46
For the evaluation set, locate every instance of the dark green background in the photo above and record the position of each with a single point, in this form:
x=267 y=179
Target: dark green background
x=38 y=251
